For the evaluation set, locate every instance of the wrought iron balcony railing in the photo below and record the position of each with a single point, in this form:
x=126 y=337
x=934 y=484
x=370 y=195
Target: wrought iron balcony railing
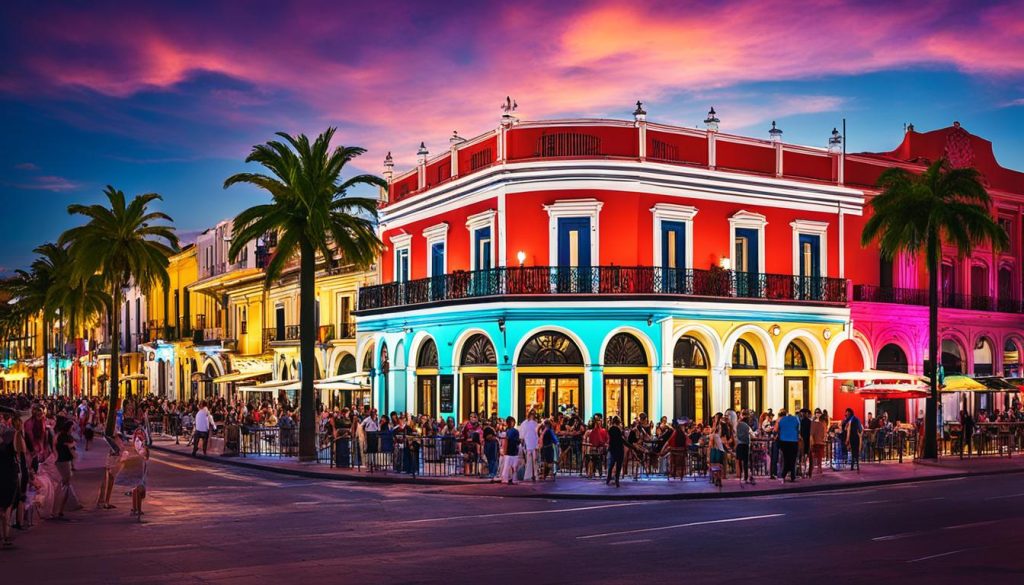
x=604 y=280
x=286 y=333
x=913 y=296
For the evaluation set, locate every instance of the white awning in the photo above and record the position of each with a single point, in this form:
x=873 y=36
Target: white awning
x=339 y=385
x=279 y=385
x=240 y=376
x=876 y=375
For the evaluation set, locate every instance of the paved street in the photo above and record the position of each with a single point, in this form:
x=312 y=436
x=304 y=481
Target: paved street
x=212 y=524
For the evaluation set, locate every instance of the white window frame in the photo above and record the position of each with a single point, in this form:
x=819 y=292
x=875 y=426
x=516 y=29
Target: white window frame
x=672 y=212
x=589 y=208
x=484 y=219
x=811 y=228
x=744 y=219
x=436 y=234
x=400 y=242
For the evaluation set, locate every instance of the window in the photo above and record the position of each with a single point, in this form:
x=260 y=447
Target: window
x=625 y=350
x=743 y=355
x=402 y=244
x=550 y=348
x=795 y=359
x=810 y=248
x=746 y=232
x=568 y=144
x=480 y=159
x=581 y=216
x=673 y=237
x=481 y=230
x=689 y=354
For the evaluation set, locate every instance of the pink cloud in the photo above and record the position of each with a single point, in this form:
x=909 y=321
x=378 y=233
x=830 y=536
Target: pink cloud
x=49 y=183
x=417 y=74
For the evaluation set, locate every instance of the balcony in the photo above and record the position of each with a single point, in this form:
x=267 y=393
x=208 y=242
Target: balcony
x=914 y=296
x=604 y=280
x=279 y=335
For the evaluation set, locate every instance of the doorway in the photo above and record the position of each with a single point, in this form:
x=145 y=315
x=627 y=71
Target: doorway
x=550 y=393
x=625 y=397
x=745 y=392
x=692 y=400
x=479 y=395
x=797 y=393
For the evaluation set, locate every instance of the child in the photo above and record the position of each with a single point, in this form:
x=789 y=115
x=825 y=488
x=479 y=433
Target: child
x=134 y=465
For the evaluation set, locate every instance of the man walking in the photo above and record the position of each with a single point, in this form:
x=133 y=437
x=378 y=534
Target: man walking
x=511 y=450
x=789 y=439
x=528 y=433
x=854 y=429
x=204 y=424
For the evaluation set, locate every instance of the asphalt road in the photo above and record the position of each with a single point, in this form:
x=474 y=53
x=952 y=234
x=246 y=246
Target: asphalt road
x=212 y=524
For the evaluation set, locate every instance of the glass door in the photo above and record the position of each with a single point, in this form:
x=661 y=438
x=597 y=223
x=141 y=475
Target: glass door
x=426 y=395
x=746 y=393
x=437 y=279
x=797 y=394
x=547 y=394
x=479 y=395
x=625 y=397
x=810 y=266
x=691 y=398
x=745 y=263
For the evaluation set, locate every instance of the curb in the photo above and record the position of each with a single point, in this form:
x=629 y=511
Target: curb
x=429 y=482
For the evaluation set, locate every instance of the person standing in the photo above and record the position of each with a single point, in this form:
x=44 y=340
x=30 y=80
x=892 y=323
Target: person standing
x=966 y=432
x=854 y=429
x=204 y=425
x=511 y=450
x=65 y=446
x=529 y=433
x=743 y=433
x=616 y=450
x=9 y=481
x=789 y=442
x=819 y=429
x=805 y=440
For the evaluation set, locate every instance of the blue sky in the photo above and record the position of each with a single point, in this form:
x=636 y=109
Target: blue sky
x=169 y=98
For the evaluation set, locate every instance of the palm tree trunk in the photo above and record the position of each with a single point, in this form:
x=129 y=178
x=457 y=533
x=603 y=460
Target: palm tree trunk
x=930 y=450
x=46 y=358
x=115 y=361
x=307 y=338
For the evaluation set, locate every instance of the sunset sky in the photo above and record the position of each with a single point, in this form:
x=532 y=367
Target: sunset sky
x=169 y=96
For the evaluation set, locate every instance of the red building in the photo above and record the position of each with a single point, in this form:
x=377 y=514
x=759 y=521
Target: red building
x=627 y=266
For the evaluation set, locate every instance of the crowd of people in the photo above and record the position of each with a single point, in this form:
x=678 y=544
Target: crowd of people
x=41 y=441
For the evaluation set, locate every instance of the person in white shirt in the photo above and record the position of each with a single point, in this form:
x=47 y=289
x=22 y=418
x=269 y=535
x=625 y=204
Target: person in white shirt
x=204 y=424
x=529 y=434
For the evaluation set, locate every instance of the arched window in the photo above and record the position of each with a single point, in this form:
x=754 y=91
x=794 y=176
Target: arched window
x=795 y=359
x=952 y=357
x=625 y=350
x=427 y=355
x=689 y=353
x=743 y=355
x=892 y=358
x=550 y=348
x=983 y=357
x=347 y=364
x=368 y=359
x=478 y=351
x=385 y=361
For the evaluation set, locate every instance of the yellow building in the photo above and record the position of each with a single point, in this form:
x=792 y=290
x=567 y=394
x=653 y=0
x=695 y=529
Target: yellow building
x=178 y=321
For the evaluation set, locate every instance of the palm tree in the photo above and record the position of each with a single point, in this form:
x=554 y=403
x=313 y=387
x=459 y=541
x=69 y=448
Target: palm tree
x=121 y=243
x=79 y=301
x=917 y=213
x=311 y=212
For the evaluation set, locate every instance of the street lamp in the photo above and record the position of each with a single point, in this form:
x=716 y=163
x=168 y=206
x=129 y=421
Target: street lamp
x=521 y=256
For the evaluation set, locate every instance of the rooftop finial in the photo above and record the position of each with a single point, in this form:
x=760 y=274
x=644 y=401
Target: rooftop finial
x=422 y=153
x=455 y=138
x=711 y=122
x=835 y=143
x=775 y=133
x=509 y=107
x=639 y=114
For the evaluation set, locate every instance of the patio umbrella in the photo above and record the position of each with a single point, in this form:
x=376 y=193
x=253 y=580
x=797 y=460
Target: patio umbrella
x=963 y=384
x=872 y=375
x=892 y=391
x=997 y=383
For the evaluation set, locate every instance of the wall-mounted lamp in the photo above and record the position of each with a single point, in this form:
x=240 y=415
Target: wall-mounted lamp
x=650 y=320
x=408 y=330
x=521 y=256
x=776 y=330
x=827 y=334
x=501 y=324
x=725 y=263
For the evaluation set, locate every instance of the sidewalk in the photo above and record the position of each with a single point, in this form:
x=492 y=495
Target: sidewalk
x=573 y=487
